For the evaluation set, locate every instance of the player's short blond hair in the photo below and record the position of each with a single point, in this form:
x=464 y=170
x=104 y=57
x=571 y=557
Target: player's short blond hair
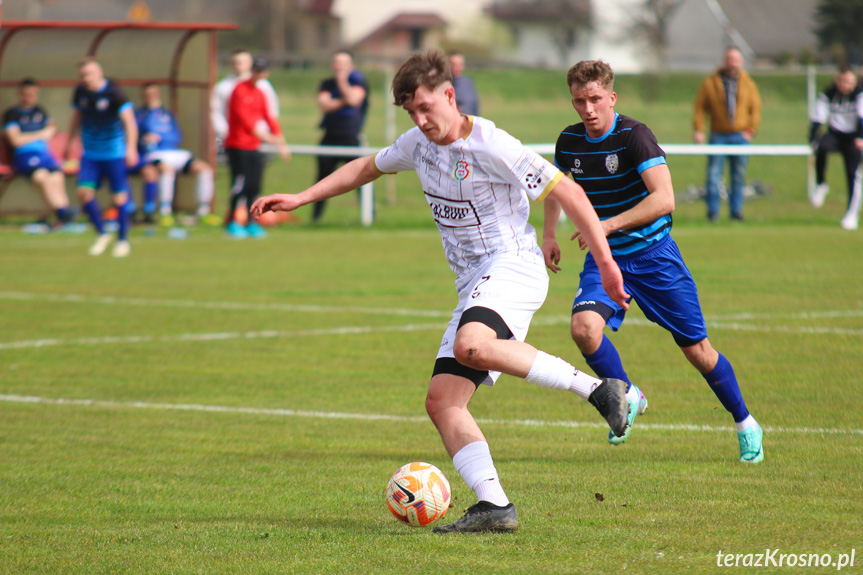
x=430 y=69
x=588 y=71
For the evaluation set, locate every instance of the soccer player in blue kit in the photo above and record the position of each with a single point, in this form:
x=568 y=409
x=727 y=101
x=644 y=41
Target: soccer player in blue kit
x=162 y=159
x=109 y=133
x=623 y=170
x=29 y=128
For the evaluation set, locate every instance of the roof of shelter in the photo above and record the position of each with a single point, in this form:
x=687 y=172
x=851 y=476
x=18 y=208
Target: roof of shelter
x=405 y=21
x=541 y=10
x=319 y=6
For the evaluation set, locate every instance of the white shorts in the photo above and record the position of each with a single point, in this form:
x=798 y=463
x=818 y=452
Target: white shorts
x=177 y=159
x=510 y=286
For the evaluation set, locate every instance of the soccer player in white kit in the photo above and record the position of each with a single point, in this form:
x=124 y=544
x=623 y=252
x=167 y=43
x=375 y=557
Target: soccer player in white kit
x=477 y=180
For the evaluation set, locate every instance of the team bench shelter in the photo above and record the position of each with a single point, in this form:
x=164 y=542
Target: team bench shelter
x=180 y=57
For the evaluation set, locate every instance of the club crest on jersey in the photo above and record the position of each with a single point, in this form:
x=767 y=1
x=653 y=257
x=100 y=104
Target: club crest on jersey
x=611 y=163
x=462 y=170
x=102 y=104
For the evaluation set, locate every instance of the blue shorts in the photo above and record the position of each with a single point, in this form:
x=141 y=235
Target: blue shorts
x=26 y=163
x=661 y=285
x=92 y=172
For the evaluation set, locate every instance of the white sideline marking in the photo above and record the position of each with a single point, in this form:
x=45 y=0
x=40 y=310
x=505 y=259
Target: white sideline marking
x=349 y=330
x=359 y=330
x=311 y=308
x=399 y=418
x=236 y=306
x=720 y=322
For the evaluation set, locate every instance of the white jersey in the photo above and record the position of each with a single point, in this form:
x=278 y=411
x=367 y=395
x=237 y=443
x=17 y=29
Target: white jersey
x=478 y=189
x=222 y=94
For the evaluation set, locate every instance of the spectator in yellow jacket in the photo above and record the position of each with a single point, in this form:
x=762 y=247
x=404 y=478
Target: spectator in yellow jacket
x=730 y=97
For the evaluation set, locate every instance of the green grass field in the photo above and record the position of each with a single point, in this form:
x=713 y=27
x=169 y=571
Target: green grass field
x=213 y=406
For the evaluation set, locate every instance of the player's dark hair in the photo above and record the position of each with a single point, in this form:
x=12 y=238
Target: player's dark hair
x=588 y=71
x=845 y=70
x=430 y=69
x=25 y=82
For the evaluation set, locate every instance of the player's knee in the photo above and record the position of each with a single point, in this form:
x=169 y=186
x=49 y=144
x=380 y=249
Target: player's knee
x=85 y=194
x=585 y=335
x=437 y=402
x=434 y=405
x=702 y=356
x=470 y=347
x=468 y=352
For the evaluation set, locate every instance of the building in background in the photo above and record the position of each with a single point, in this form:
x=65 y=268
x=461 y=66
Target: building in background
x=632 y=35
x=768 y=32
x=400 y=35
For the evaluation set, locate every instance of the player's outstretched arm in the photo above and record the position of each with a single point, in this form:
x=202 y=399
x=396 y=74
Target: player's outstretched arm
x=578 y=208
x=550 y=247
x=349 y=177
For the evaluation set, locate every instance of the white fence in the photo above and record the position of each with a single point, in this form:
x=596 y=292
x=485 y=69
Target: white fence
x=367 y=194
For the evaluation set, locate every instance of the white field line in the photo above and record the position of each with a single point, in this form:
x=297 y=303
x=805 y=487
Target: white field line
x=716 y=322
x=216 y=336
x=98 y=403
x=357 y=330
x=311 y=308
x=234 y=306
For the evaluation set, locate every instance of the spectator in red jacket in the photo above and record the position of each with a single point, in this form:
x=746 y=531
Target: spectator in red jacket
x=248 y=118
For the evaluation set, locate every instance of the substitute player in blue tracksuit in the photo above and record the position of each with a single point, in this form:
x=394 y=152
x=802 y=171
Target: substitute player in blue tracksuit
x=623 y=170
x=109 y=134
x=162 y=159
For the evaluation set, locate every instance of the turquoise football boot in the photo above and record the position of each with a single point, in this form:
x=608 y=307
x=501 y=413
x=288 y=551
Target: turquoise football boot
x=751 y=450
x=635 y=407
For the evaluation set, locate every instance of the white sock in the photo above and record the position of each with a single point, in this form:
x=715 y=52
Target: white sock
x=745 y=424
x=554 y=373
x=473 y=462
x=204 y=191
x=166 y=188
x=632 y=394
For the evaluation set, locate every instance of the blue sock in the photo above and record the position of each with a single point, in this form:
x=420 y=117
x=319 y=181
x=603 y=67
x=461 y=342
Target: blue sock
x=94 y=212
x=151 y=189
x=122 y=222
x=62 y=215
x=723 y=382
x=605 y=362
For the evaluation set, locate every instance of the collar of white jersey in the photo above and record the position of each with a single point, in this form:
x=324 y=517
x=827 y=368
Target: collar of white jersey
x=469 y=128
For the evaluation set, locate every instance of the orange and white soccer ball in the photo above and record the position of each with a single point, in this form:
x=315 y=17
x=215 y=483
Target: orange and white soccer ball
x=418 y=493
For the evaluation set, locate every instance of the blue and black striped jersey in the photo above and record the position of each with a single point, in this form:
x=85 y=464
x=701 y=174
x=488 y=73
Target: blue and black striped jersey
x=609 y=169
x=28 y=120
x=102 y=131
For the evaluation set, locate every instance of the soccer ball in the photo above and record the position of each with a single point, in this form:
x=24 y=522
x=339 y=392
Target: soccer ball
x=418 y=493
